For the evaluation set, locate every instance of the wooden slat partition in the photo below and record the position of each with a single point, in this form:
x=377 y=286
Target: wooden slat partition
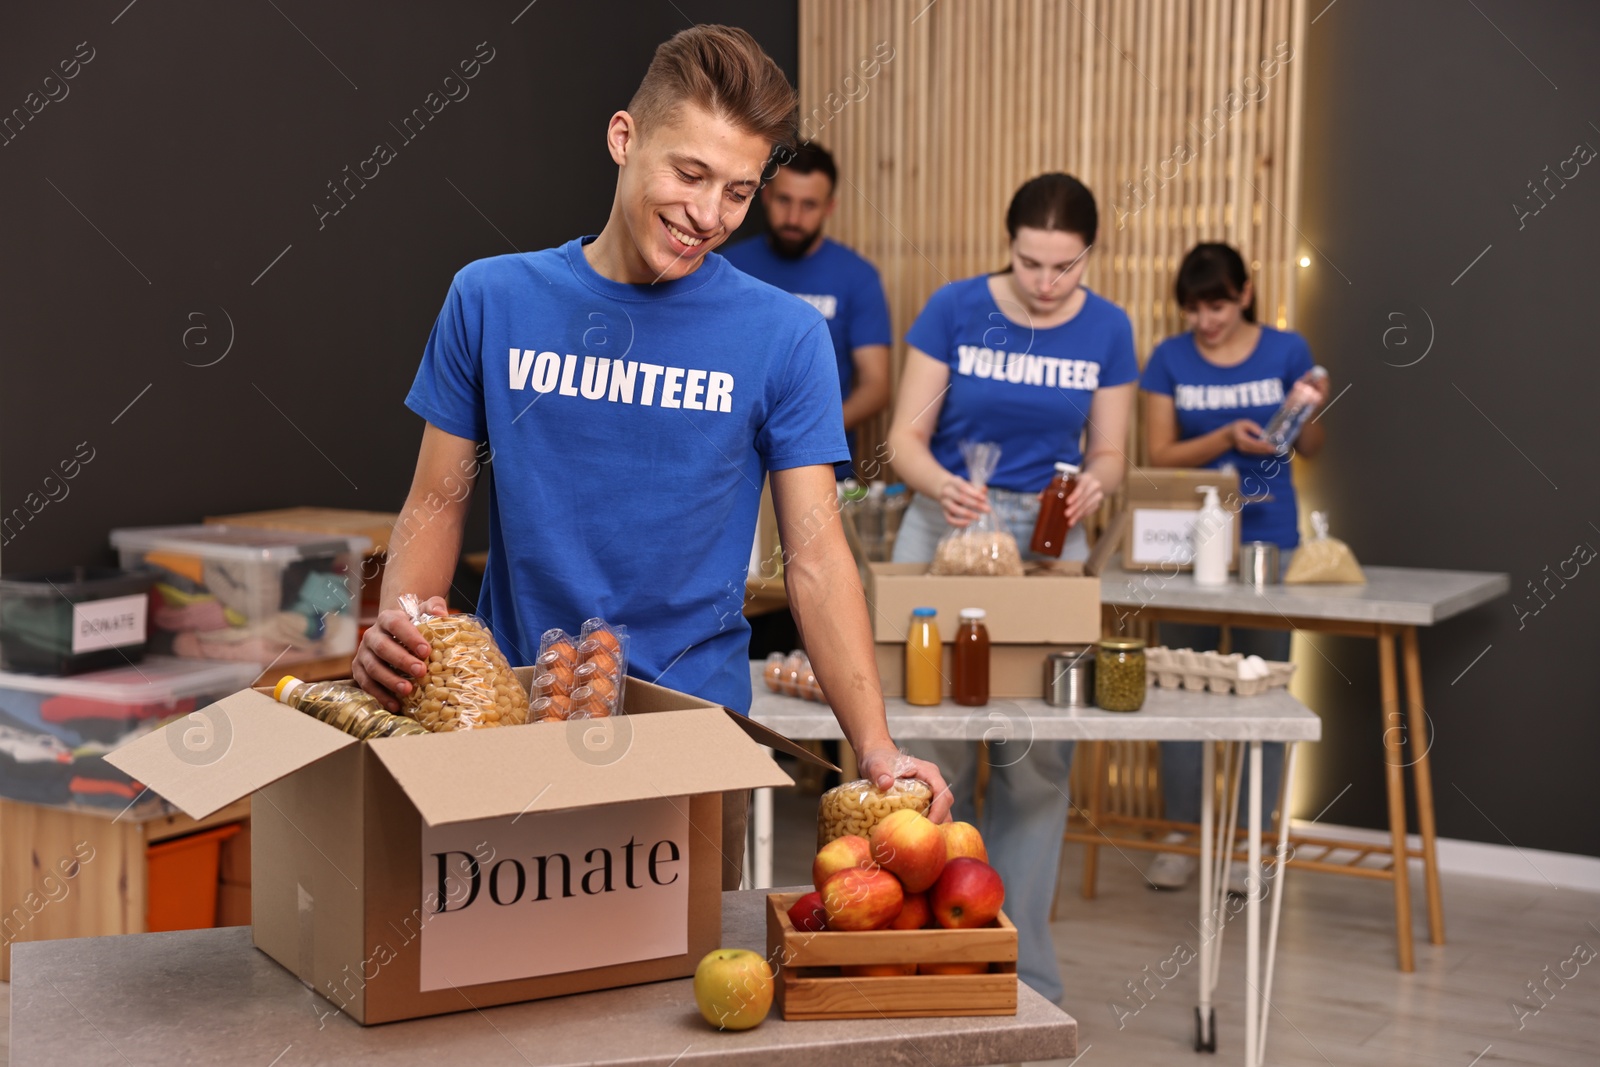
x=1131 y=96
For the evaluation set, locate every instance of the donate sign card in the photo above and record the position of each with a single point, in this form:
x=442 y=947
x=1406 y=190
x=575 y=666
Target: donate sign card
x=551 y=892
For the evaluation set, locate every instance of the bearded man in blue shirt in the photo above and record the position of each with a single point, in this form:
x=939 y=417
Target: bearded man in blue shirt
x=795 y=256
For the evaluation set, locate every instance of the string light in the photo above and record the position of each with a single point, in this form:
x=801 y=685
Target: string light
x=1305 y=261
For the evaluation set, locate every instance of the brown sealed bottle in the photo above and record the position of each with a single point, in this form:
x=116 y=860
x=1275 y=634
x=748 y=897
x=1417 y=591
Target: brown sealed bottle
x=1050 y=530
x=969 y=683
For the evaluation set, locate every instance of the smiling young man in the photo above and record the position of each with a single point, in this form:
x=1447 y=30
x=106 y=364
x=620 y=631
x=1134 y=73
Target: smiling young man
x=796 y=257
x=635 y=389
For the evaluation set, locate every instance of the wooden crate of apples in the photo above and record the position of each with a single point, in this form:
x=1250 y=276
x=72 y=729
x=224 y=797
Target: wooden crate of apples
x=905 y=922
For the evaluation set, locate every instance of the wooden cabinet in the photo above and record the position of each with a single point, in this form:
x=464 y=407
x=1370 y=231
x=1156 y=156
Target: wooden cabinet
x=80 y=874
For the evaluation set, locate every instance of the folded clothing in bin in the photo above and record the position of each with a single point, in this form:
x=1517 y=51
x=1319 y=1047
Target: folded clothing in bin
x=34 y=767
x=237 y=593
x=95 y=782
x=56 y=732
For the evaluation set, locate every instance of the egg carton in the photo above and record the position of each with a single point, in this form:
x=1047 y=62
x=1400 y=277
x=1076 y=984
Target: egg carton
x=1184 y=668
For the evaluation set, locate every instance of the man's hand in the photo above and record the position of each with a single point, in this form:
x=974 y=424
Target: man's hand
x=881 y=766
x=389 y=654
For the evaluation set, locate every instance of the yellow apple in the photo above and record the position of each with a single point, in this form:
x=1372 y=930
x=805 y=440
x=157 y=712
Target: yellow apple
x=733 y=988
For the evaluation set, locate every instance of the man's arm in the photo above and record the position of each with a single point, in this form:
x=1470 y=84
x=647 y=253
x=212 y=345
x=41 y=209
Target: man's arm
x=422 y=556
x=830 y=611
x=870 y=394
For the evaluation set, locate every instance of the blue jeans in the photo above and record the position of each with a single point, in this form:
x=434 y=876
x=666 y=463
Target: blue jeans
x=1025 y=810
x=1180 y=760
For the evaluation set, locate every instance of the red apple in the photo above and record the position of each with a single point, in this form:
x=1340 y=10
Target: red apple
x=969 y=893
x=910 y=847
x=862 y=899
x=963 y=839
x=840 y=854
x=952 y=968
x=807 y=914
x=915 y=914
x=878 y=970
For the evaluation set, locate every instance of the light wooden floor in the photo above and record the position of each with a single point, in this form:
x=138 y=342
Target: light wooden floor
x=1338 y=998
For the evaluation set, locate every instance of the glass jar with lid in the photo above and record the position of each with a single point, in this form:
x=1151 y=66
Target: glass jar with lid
x=1119 y=674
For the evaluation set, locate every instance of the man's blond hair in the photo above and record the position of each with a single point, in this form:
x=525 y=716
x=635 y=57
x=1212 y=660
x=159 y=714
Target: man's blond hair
x=724 y=71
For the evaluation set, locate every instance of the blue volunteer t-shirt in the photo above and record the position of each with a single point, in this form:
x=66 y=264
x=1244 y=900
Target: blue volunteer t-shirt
x=834 y=280
x=1207 y=396
x=1026 y=389
x=631 y=428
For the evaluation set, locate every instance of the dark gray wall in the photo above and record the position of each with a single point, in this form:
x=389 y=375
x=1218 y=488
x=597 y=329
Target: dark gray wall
x=1424 y=124
x=143 y=209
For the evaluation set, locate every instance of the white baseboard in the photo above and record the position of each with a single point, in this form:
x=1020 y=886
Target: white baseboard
x=1505 y=862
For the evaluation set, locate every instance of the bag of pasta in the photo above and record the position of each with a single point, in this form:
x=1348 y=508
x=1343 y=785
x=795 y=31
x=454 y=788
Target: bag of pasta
x=981 y=547
x=468 y=685
x=856 y=807
x=1323 y=560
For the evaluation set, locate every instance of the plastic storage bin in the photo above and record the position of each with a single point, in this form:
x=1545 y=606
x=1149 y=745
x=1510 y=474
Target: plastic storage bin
x=182 y=884
x=239 y=593
x=66 y=622
x=55 y=732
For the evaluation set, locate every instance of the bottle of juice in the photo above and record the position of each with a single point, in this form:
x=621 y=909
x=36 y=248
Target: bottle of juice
x=924 y=669
x=1050 y=529
x=969 y=660
x=344 y=707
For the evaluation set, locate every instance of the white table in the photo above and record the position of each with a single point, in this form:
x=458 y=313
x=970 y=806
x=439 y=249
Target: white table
x=1393 y=603
x=1167 y=715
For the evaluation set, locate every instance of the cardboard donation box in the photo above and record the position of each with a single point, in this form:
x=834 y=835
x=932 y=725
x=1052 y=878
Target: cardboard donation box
x=1052 y=606
x=1163 y=505
x=412 y=876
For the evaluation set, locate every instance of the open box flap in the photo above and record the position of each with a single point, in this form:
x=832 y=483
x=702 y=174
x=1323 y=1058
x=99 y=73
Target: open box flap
x=225 y=751
x=766 y=735
x=486 y=774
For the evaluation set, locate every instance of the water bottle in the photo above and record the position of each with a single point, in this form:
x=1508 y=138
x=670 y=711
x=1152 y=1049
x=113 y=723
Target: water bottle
x=1291 y=418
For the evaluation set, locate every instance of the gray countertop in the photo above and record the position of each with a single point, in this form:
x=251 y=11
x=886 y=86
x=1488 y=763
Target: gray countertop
x=1405 y=596
x=207 y=996
x=1167 y=715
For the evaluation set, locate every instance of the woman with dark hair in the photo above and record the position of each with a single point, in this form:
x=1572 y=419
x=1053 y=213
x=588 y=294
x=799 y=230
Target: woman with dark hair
x=1207 y=395
x=1032 y=360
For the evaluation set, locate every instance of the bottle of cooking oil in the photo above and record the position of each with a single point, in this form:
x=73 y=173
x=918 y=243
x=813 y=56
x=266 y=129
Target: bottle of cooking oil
x=344 y=707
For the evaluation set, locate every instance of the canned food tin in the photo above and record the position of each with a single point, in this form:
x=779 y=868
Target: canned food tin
x=1258 y=564
x=1069 y=677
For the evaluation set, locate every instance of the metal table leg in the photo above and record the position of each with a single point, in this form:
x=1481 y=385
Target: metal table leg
x=758 y=868
x=1205 y=1016
x=1277 y=899
x=1252 y=959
